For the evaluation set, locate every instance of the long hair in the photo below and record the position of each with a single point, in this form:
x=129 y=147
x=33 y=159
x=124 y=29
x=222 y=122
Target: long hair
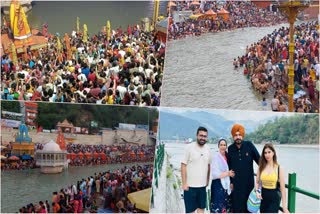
x=263 y=161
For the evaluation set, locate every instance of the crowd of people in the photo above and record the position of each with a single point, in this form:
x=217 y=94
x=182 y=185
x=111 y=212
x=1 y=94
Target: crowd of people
x=266 y=63
x=232 y=175
x=124 y=68
x=83 y=155
x=105 y=190
x=103 y=154
x=241 y=14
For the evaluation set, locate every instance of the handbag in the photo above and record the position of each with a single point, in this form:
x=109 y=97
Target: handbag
x=253 y=203
x=278 y=179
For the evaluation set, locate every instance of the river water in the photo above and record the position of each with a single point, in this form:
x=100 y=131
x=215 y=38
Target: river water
x=61 y=15
x=301 y=159
x=19 y=188
x=199 y=71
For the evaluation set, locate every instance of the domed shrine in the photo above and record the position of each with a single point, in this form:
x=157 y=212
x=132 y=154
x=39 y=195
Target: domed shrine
x=51 y=159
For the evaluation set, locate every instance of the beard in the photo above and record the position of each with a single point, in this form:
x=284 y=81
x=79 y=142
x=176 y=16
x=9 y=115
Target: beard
x=201 y=142
x=238 y=141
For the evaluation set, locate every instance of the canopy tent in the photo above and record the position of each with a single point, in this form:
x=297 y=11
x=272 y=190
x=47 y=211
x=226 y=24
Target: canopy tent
x=195 y=16
x=103 y=156
x=72 y=156
x=210 y=14
x=26 y=157
x=141 y=199
x=80 y=155
x=224 y=14
x=87 y=155
x=96 y=155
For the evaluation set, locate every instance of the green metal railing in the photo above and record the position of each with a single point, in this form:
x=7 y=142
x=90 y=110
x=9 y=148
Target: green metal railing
x=292 y=190
x=158 y=162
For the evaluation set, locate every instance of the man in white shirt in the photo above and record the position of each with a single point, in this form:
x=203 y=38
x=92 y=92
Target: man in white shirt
x=195 y=173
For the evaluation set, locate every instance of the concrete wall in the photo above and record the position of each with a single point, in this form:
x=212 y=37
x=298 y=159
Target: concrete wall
x=121 y=136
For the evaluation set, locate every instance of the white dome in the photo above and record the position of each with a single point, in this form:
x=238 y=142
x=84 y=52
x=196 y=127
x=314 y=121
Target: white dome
x=51 y=147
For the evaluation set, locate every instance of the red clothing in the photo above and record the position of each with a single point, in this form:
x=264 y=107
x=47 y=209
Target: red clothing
x=92 y=77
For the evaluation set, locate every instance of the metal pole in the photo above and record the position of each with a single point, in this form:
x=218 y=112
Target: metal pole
x=292 y=17
x=292 y=182
x=291 y=8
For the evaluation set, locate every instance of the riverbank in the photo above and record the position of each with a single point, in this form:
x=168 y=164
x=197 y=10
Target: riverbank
x=305 y=146
x=33 y=186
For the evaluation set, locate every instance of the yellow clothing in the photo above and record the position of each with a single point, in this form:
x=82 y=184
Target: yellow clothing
x=305 y=63
x=269 y=181
x=71 y=68
x=312 y=74
x=110 y=99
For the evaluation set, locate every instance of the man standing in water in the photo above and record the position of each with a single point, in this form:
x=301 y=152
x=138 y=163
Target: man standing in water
x=241 y=155
x=195 y=173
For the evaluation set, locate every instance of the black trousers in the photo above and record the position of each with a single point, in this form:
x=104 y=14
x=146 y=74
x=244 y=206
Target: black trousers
x=270 y=202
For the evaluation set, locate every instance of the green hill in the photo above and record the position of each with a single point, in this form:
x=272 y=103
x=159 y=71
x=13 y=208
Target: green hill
x=297 y=129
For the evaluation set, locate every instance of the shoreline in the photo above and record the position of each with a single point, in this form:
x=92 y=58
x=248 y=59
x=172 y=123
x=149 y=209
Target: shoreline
x=232 y=30
x=226 y=30
x=307 y=146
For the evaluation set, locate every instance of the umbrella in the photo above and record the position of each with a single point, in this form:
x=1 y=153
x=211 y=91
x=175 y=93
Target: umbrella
x=14 y=158
x=141 y=199
x=3 y=157
x=2 y=147
x=195 y=3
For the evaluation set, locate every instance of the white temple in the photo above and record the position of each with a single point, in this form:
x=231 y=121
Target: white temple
x=51 y=158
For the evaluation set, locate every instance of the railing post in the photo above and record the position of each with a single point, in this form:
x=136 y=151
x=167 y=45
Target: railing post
x=292 y=182
x=208 y=199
